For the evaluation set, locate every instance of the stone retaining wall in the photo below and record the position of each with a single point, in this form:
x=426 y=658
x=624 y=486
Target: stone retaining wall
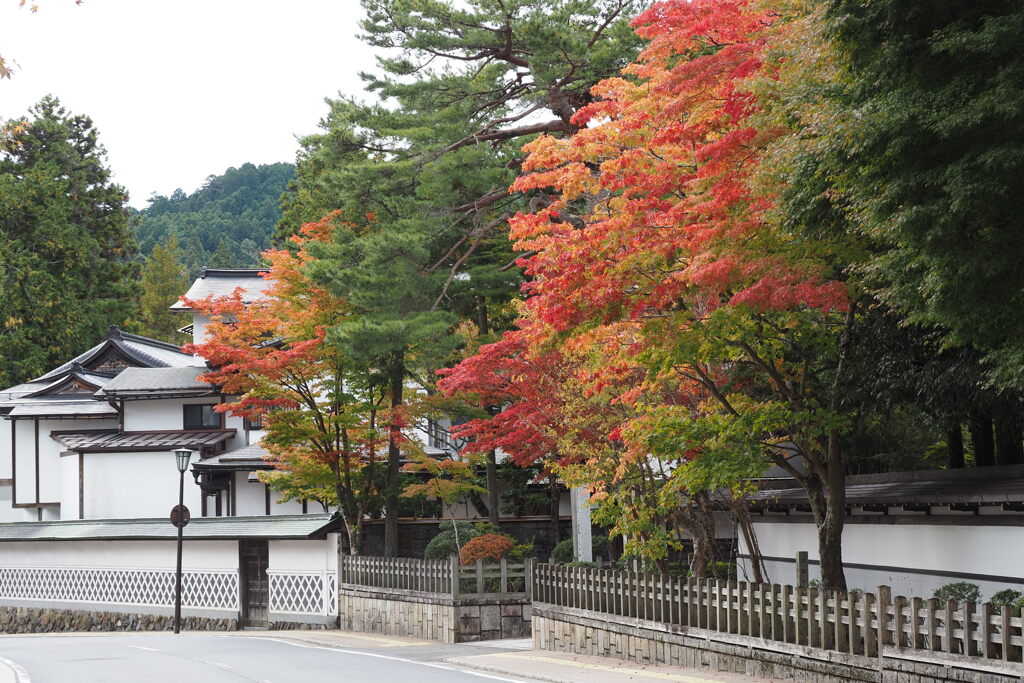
x=564 y=629
x=433 y=616
x=39 y=620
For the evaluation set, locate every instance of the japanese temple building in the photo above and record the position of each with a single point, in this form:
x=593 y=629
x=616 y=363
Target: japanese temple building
x=87 y=480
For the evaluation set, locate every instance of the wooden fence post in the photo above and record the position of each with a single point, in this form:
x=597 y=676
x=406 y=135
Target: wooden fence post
x=802 y=573
x=882 y=606
x=871 y=647
x=453 y=569
x=528 y=569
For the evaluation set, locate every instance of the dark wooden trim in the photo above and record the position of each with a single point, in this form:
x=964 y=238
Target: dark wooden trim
x=904 y=570
x=14 y=461
x=120 y=415
x=36 y=424
x=233 y=493
x=304 y=504
x=6 y=482
x=26 y=506
x=267 y=496
x=216 y=504
x=81 y=486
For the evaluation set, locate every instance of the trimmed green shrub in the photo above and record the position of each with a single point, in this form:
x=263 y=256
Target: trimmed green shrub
x=442 y=546
x=588 y=565
x=562 y=553
x=958 y=591
x=1007 y=596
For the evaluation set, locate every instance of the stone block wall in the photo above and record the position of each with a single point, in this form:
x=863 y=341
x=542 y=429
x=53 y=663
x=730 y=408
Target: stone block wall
x=432 y=616
x=38 y=620
x=576 y=631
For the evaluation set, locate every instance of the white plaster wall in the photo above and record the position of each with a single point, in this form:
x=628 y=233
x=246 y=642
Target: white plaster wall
x=250 y=498
x=305 y=555
x=68 y=495
x=135 y=485
x=199 y=323
x=25 y=457
x=5 y=449
x=7 y=513
x=984 y=550
x=120 y=554
x=292 y=507
x=53 y=468
x=165 y=413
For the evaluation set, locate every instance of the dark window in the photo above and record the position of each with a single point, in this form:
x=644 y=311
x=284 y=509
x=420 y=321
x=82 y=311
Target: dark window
x=201 y=417
x=254 y=423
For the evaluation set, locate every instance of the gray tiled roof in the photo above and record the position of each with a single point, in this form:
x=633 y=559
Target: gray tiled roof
x=147 y=352
x=200 y=528
x=58 y=409
x=113 y=440
x=218 y=282
x=146 y=381
x=247 y=457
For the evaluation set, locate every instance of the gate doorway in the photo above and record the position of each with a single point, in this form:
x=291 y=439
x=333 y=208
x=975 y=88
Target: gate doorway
x=253 y=559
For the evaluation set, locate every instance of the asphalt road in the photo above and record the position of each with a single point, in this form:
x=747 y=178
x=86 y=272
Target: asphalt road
x=196 y=658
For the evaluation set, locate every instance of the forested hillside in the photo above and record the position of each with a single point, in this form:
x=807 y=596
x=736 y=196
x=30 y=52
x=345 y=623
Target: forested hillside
x=225 y=223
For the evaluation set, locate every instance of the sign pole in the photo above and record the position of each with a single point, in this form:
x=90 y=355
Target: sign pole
x=177 y=575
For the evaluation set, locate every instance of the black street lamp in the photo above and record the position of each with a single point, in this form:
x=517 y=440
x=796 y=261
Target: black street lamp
x=179 y=518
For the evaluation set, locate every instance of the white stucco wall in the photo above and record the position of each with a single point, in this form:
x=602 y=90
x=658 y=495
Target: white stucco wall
x=165 y=413
x=305 y=555
x=135 y=485
x=222 y=555
x=996 y=551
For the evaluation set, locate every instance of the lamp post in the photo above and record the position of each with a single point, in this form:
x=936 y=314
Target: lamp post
x=179 y=518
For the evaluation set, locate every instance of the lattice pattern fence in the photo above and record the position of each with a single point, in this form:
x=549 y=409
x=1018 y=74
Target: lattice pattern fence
x=849 y=621
x=293 y=592
x=210 y=589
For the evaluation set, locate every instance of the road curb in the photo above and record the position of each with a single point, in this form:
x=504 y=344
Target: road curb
x=12 y=672
x=455 y=661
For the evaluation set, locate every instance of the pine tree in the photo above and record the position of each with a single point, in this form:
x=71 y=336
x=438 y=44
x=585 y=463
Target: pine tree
x=66 y=245
x=164 y=279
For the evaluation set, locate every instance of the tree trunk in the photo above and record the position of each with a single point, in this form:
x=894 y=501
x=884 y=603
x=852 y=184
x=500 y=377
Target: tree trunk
x=955 y=446
x=980 y=425
x=827 y=496
x=397 y=381
x=746 y=527
x=1009 y=450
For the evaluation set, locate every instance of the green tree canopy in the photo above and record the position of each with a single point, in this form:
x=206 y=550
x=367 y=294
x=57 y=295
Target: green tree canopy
x=66 y=245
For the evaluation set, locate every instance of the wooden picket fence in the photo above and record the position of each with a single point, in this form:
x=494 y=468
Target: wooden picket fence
x=437 y=576
x=851 y=622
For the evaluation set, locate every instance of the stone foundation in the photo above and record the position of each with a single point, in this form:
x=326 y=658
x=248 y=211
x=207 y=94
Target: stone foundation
x=38 y=620
x=563 y=629
x=435 y=617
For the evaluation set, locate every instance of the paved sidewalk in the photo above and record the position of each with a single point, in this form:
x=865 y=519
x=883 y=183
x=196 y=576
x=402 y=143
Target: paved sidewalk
x=517 y=658
x=558 y=667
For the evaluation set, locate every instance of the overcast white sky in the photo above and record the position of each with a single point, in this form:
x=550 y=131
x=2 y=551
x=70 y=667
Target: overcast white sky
x=182 y=89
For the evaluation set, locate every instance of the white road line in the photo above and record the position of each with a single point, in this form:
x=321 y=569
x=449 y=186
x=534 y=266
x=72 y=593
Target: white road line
x=143 y=647
x=21 y=676
x=432 y=665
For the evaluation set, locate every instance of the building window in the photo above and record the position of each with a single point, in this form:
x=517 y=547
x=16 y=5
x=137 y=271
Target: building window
x=201 y=417
x=253 y=423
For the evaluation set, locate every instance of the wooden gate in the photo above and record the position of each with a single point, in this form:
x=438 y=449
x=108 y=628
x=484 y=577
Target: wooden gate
x=253 y=561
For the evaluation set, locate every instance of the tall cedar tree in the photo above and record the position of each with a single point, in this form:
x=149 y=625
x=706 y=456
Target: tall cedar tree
x=424 y=176
x=66 y=243
x=164 y=279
